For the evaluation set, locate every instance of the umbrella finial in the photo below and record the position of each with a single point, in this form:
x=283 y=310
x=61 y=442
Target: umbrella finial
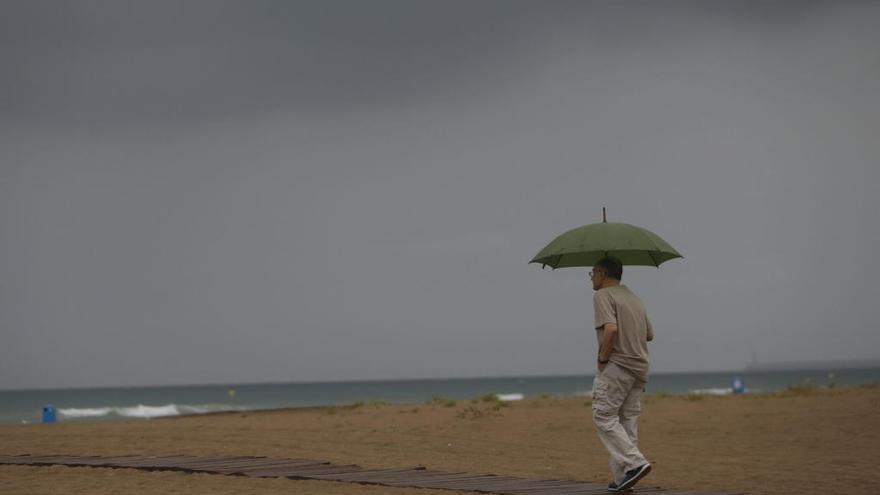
x=603 y=215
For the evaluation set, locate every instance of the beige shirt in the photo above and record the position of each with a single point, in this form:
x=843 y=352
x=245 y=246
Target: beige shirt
x=617 y=304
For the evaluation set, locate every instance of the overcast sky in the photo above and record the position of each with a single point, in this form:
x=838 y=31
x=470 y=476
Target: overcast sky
x=226 y=192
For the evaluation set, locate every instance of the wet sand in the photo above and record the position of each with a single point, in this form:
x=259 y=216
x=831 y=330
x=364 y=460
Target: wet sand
x=795 y=442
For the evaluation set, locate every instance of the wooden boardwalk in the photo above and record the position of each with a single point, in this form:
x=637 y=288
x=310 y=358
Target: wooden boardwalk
x=307 y=469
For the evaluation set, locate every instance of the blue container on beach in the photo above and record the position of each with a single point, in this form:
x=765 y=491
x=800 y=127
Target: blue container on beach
x=738 y=386
x=49 y=414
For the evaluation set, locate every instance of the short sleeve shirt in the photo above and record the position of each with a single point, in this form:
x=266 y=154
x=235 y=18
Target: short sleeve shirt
x=617 y=304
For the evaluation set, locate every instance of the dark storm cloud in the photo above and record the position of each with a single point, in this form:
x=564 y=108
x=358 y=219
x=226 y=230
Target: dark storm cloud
x=110 y=63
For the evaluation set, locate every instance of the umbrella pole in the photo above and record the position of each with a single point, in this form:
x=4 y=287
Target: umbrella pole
x=603 y=215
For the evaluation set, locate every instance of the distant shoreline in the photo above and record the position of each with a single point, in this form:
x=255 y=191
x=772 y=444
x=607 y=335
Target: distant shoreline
x=814 y=365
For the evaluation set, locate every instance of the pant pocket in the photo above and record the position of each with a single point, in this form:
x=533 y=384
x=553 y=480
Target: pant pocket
x=602 y=405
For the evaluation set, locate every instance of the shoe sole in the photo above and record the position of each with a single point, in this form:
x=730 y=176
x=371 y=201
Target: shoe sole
x=635 y=479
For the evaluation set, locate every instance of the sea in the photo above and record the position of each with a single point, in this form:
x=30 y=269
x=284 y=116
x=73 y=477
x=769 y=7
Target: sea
x=129 y=403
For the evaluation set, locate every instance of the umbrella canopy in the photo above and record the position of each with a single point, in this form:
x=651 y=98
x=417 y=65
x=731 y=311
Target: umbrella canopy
x=584 y=246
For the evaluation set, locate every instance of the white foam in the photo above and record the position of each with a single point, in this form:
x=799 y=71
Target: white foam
x=209 y=408
x=509 y=397
x=142 y=411
x=86 y=412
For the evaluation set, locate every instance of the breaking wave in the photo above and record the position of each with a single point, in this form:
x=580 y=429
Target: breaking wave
x=143 y=411
x=509 y=397
x=89 y=412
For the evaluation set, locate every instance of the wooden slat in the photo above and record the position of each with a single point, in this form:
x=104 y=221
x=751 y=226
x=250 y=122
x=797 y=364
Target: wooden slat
x=236 y=466
x=30 y=459
x=578 y=490
x=187 y=463
x=277 y=472
x=87 y=461
x=301 y=464
x=166 y=461
x=115 y=461
x=380 y=474
x=486 y=483
x=432 y=476
x=104 y=461
x=448 y=483
x=563 y=489
x=222 y=462
x=416 y=481
x=308 y=472
x=521 y=484
x=422 y=474
x=242 y=469
x=286 y=464
x=407 y=477
x=503 y=485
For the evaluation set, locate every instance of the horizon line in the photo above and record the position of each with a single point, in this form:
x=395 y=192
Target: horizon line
x=751 y=367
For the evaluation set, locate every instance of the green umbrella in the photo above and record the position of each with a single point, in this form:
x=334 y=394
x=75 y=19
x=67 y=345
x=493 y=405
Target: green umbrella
x=584 y=246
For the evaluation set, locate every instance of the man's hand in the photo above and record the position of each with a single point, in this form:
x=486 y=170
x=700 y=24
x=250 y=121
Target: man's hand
x=601 y=366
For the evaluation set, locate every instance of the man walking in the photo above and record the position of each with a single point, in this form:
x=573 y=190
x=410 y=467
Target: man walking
x=623 y=331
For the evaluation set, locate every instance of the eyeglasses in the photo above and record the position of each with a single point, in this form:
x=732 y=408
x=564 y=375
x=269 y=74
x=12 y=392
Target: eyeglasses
x=592 y=273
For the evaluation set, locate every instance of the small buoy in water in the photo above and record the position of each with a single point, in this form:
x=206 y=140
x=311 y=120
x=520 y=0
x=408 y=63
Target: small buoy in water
x=231 y=393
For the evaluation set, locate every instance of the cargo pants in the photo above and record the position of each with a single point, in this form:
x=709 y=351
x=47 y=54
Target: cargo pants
x=616 y=407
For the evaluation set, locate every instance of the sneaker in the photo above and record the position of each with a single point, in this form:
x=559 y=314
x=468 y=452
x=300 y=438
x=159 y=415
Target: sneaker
x=612 y=487
x=633 y=476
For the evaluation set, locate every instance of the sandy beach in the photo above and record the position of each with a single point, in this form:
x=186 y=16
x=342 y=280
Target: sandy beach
x=793 y=442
